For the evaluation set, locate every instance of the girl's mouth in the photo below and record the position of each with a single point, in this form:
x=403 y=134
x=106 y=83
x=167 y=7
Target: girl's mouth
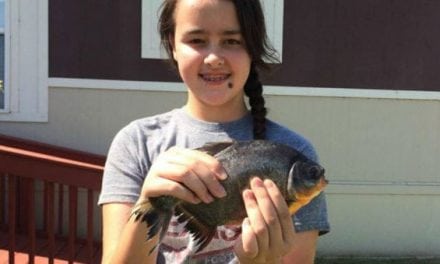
x=214 y=79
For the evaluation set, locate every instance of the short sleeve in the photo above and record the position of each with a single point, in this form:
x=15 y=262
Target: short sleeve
x=123 y=173
x=313 y=216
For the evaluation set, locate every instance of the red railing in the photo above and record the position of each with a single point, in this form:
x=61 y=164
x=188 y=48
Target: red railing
x=34 y=178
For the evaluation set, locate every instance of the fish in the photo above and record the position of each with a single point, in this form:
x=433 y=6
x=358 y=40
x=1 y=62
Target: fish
x=298 y=178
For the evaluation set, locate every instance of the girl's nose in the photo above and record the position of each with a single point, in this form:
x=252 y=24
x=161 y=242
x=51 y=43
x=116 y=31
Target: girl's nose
x=214 y=60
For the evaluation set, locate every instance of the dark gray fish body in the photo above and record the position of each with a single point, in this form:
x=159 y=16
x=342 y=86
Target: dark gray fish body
x=298 y=178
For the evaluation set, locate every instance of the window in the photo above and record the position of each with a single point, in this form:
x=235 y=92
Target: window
x=23 y=60
x=273 y=10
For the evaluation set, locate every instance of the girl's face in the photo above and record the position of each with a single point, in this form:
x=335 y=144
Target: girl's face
x=212 y=58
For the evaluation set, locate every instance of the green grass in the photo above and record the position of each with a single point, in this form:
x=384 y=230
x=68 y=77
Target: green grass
x=376 y=261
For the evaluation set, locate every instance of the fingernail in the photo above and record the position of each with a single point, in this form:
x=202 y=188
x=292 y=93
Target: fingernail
x=196 y=200
x=269 y=183
x=221 y=192
x=249 y=194
x=258 y=182
x=209 y=199
x=223 y=175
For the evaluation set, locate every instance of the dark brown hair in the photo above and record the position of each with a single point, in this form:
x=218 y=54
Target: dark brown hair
x=252 y=25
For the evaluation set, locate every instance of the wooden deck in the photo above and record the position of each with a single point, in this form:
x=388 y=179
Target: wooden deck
x=61 y=255
x=48 y=203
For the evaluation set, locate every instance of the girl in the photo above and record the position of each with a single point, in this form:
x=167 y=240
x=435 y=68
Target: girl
x=218 y=47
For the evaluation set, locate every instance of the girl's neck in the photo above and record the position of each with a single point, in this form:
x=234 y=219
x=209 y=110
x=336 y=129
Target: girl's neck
x=216 y=114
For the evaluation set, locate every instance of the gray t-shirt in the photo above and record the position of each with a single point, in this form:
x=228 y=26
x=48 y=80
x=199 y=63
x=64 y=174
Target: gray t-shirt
x=137 y=145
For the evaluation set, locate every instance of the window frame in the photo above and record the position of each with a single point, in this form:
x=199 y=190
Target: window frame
x=5 y=33
x=26 y=61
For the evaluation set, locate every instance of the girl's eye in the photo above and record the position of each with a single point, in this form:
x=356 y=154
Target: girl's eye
x=196 y=41
x=233 y=42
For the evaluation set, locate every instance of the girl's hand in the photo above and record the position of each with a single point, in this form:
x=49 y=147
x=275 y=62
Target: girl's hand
x=186 y=174
x=267 y=232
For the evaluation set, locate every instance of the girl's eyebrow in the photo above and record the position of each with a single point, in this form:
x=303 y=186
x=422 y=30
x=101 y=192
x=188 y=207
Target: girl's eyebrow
x=201 y=31
x=232 y=32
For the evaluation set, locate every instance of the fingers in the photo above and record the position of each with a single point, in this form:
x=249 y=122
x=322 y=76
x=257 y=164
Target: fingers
x=156 y=186
x=249 y=244
x=256 y=202
x=201 y=173
x=186 y=174
x=285 y=220
x=271 y=232
x=269 y=211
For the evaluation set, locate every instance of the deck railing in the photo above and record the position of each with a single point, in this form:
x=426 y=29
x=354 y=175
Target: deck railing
x=37 y=183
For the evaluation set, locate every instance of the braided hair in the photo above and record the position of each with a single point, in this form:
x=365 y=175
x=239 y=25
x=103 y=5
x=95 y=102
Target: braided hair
x=254 y=90
x=251 y=19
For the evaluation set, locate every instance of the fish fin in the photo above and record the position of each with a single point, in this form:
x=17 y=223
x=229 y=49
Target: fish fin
x=161 y=225
x=165 y=222
x=155 y=220
x=213 y=148
x=294 y=207
x=296 y=204
x=202 y=233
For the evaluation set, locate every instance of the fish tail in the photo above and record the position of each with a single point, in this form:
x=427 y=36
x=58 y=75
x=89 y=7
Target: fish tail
x=156 y=220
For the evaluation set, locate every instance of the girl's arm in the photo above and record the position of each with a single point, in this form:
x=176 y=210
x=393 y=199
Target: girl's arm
x=124 y=239
x=304 y=248
x=189 y=175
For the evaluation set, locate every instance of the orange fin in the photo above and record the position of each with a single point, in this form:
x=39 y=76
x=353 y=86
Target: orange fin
x=294 y=207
